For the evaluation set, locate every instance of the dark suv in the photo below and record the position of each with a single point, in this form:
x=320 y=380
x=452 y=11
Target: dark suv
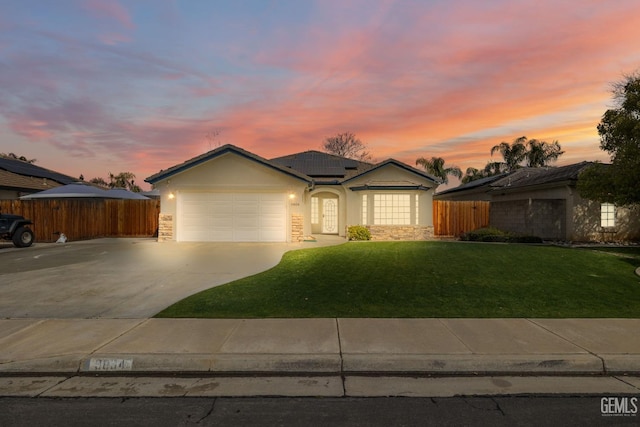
x=15 y=228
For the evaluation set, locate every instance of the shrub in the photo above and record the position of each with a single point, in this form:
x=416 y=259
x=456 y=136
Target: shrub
x=490 y=234
x=525 y=239
x=483 y=235
x=358 y=232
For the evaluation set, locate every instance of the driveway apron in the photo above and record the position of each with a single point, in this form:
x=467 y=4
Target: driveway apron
x=123 y=278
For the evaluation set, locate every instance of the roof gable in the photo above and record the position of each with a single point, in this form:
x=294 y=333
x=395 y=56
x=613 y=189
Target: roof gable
x=396 y=163
x=228 y=148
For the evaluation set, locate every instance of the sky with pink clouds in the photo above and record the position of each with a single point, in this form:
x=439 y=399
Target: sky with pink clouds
x=95 y=86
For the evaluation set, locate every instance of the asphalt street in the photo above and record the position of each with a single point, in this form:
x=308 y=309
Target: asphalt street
x=457 y=411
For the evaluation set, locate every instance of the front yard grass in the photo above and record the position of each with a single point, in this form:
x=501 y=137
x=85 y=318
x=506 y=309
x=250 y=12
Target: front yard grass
x=429 y=279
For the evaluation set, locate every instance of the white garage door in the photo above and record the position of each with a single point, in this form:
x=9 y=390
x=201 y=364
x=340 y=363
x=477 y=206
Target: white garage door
x=232 y=217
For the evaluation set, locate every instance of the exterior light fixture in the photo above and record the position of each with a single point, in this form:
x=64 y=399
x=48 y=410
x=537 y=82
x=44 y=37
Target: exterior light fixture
x=292 y=196
x=172 y=196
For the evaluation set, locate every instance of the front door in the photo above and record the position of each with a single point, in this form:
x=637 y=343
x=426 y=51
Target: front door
x=330 y=216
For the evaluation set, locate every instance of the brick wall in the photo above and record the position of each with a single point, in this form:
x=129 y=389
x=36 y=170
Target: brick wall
x=165 y=228
x=400 y=232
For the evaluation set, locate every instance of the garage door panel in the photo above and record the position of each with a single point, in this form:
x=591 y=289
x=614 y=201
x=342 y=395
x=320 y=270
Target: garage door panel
x=232 y=217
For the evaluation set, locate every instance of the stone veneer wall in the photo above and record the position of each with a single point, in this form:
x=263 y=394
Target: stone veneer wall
x=297 y=228
x=400 y=232
x=165 y=228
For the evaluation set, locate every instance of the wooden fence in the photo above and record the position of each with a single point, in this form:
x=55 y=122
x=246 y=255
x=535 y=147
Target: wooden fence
x=81 y=219
x=453 y=218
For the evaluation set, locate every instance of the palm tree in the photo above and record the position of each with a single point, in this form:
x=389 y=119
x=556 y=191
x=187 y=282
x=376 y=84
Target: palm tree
x=541 y=153
x=472 y=174
x=513 y=154
x=435 y=167
x=124 y=180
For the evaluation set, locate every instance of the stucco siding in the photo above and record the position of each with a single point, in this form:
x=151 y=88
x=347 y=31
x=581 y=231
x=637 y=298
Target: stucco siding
x=536 y=217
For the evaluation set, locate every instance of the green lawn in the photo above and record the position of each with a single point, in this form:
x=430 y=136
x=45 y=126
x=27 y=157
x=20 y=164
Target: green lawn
x=430 y=279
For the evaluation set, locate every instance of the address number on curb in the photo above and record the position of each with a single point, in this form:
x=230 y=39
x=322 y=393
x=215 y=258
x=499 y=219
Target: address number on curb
x=110 y=364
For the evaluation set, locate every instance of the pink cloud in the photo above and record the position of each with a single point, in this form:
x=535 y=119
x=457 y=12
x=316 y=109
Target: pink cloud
x=110 y=10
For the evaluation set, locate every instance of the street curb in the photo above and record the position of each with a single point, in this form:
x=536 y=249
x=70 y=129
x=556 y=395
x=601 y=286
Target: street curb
x=326 y=364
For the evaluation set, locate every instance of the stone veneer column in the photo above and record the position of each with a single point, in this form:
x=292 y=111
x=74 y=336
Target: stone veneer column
x=165 y=227
x=297 y=228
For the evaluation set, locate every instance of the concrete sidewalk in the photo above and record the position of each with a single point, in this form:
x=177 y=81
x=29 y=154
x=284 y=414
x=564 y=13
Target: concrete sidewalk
x=321 y=346
x=328 y=355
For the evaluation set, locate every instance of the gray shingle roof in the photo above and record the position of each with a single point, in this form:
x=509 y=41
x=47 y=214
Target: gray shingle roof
x=473 y=184
x=23 y=183
x=28 y=169
x=526 y=177
x=323 y=166
x=77 y=190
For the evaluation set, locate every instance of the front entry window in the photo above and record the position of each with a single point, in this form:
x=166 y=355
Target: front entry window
x=314 y=211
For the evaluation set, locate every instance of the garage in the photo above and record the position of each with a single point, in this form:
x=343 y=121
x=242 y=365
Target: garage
x=232 y=217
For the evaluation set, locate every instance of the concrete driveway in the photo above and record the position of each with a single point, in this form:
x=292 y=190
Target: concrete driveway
x=123 y=278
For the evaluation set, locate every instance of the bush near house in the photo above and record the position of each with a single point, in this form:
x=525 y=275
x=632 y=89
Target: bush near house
x=490 y=234
x=358 y=232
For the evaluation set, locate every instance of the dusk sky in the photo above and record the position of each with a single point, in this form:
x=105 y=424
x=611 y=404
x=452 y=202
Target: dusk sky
x=96 y=86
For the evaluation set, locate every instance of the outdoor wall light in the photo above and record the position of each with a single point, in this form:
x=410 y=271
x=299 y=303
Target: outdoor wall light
x=172 y=196
x=292 y=196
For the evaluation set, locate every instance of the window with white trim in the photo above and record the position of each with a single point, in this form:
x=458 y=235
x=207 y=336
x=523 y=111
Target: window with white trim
x=391 y=209
x=364 y=209
x=607 y=215
x=314 y=211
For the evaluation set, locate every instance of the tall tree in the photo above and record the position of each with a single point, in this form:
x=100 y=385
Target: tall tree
x=347 y=145
x=531 y=152
x=435 y=166
x=541 y=153
x=121 y=180
x=619 y=132
x=490 y=169
x=472 y=174
x=513 y=154
x=124 y=180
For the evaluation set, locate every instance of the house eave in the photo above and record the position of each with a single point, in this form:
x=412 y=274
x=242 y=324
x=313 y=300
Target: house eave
x=175 y=170
x=366 y=187
x=534 y=187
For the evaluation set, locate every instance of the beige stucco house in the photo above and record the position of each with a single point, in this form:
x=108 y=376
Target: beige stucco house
x=545 y=202
x=230 y=194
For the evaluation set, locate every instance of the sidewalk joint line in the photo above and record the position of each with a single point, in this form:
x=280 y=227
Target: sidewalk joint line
x=342 y=374
x=617 y=377
x=454 y=334
x=115 y=338
x=604 y=367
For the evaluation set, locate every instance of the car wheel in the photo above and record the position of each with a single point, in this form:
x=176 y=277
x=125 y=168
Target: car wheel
x=23 y=237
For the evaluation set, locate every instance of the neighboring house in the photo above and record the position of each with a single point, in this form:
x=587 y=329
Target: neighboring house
x=545 y=202
x=19 y=178
x=83 y=190
x=230 y=194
